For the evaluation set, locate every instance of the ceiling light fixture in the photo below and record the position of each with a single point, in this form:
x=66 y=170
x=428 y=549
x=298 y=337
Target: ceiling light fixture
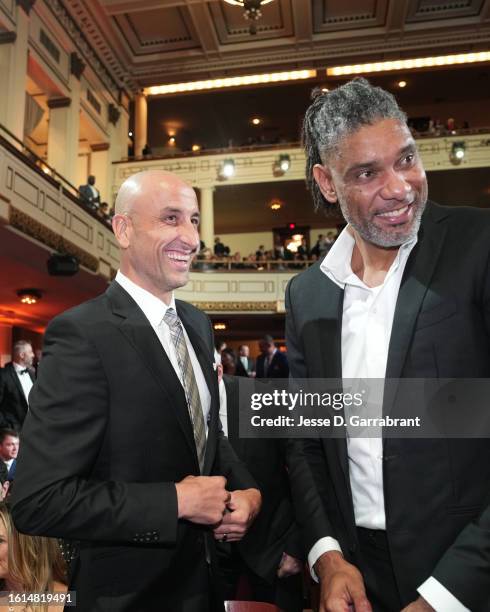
x=237 y=81
x=275 y=205
x=29 y=296
x=219 y=326
x=281 y=165
x=226 y=169
x=410 y=64
x=171 y=141
x=196 y=147
x=256 y=121
x=402 y=84
x=251 y=11
x=458 y=151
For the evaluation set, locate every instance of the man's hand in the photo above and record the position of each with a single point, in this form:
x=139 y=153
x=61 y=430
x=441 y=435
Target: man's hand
x=289 y=566
x=242 y=508
x=419 y=605
x=202 y=499
x=342 y=586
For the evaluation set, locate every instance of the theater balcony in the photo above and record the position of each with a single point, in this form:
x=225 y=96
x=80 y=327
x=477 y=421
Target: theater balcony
x=41 y=214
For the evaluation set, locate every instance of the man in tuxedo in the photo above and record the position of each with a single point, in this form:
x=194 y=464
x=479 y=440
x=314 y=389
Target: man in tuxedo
x=90 y=194
x=403 y=293
x=16 y=380
x=135 y=363
x=271 y=363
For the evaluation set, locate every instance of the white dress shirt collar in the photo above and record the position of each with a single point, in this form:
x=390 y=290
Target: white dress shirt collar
x=153 y=308
x=337 y=263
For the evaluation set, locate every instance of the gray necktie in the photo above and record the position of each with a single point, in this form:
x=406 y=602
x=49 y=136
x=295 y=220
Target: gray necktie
x=189 y=383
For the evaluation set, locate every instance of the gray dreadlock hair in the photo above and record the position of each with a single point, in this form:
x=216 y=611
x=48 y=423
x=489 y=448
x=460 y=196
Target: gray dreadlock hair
x=336 y=114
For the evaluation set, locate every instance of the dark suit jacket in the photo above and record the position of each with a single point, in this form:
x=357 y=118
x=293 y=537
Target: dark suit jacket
x=87 y=195
x=107 y=436
x=437 y=492
x=275 y=530
x=13 y=403
x=278 y=368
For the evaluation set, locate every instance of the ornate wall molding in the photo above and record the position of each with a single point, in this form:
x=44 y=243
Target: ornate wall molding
x=236 y=306
x=38 y=231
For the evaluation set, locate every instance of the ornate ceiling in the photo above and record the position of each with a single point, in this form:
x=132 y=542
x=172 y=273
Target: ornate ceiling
x=146 y=42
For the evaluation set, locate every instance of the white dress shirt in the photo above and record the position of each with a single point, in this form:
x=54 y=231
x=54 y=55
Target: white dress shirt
x=24 y=379
x=154 y=310
x=367 y=320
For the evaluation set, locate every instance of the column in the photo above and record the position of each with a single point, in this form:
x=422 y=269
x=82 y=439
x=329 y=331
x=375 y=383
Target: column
x=207 y=216
x=100 y=164
x=140 y=123
x=64 y=126
x=13 y=73
x=58 y=127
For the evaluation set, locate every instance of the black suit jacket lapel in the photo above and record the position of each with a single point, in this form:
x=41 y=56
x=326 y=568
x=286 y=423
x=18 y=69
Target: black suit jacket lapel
x=137 y=329
x=211 y=377
x=329 y=304
x=416 y=278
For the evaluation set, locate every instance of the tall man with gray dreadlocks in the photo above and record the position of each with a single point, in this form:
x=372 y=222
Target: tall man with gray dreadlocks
x=393 y=524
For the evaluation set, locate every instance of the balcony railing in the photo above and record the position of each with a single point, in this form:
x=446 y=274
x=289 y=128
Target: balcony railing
x=245 y=265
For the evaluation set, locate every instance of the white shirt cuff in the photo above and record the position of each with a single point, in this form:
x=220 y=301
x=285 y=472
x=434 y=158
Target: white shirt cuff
x=439 y=597
x=321 y=546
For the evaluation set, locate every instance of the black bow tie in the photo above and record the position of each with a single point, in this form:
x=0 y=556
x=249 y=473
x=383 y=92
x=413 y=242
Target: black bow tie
x=24 y=371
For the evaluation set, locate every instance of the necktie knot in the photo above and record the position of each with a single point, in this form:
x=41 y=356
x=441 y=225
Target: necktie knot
x=170 y=318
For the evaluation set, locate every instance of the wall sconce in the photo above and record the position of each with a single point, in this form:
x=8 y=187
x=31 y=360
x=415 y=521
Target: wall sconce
x=226 y=169
x=281 y=165
x=29 y=296
x=458 y=151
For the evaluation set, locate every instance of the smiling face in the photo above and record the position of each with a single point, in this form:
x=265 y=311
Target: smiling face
x=159 y=234
x=378 y=180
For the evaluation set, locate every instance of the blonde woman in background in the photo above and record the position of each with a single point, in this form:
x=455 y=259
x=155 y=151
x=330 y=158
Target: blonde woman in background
x=29 y=564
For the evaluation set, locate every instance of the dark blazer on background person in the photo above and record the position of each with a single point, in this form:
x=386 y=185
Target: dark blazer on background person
x=437 y=491
x=275 y=530
x=13 y=403
x=240 y=368
x=107 y=436
x=278 y=368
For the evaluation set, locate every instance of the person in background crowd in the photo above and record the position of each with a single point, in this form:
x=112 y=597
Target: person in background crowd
x=270 y=556
x=390 y=523
x=90 y=194
x=271 y=363
x=9 y=447
x=246 y=360
x=219 y=248
x=29 y=564
x=135 y=361
x=16 y=381
x=303 y=250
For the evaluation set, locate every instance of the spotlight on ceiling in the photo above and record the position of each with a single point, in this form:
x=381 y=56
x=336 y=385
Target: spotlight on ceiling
x=219 y=326
x=256 y=121
x=226 y=169
x=281 y=165
x=402 y=84
x=29 y=296
x=275 y=205
x=251 y=11
x=458 y=151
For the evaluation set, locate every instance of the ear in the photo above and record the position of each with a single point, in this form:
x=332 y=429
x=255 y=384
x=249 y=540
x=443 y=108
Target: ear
x=323 y=178
x=121 y=225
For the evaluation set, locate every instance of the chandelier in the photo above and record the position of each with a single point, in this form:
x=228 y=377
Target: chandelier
x=251 y=11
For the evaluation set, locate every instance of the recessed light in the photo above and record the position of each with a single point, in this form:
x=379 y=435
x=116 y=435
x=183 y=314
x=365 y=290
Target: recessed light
x=256 y=121
x=402 y=84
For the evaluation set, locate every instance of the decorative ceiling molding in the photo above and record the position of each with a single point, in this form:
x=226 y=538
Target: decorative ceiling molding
x=200 y=39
